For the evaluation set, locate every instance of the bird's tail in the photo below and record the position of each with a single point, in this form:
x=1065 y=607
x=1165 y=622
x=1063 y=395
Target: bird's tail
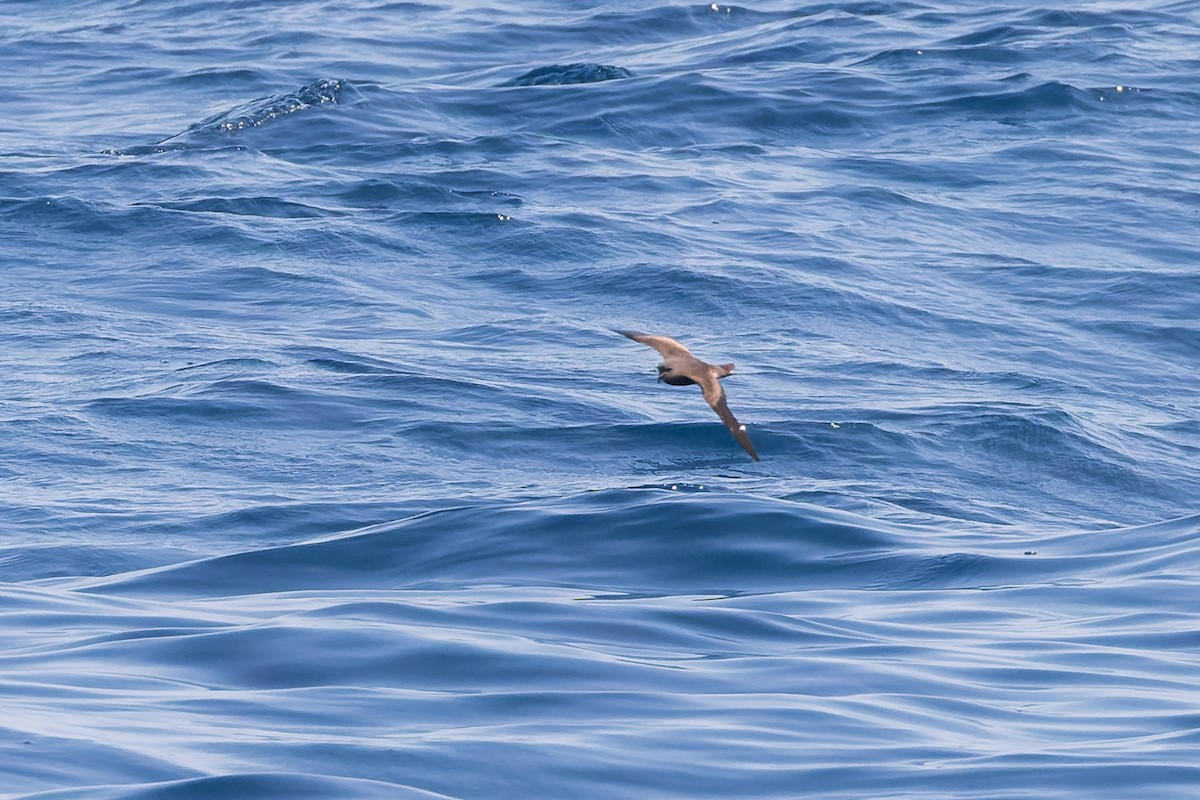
x=724 y=369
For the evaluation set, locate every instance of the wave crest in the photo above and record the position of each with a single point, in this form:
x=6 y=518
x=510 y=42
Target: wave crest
x=564 y=74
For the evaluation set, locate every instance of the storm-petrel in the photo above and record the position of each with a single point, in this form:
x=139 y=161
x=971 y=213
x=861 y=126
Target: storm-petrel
x=680 y=368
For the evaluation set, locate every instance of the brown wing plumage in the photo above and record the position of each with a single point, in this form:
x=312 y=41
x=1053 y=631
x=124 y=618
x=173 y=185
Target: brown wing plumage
x=714 y=393
x=682 y=362
x=663 y=344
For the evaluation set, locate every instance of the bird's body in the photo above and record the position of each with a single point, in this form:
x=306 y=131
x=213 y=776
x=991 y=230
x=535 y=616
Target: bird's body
x=680 y=368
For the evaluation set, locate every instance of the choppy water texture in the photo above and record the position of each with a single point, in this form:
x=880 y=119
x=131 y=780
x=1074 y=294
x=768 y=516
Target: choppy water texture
x=324 y=475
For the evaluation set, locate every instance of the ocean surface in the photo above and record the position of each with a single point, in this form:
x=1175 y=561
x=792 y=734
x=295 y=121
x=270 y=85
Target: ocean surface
x=324 y=475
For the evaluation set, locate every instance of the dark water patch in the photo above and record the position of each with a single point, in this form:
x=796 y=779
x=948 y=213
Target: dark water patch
x=38 y=562
x=1000 y=34
x=1051 y=97
x=352 y=366
x=565 y=74
x=249 y=786
x=274 y=207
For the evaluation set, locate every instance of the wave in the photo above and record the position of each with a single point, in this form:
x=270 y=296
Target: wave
x=254 y=114
x=565 y=74
x=655 y=542
x=263 y=110
x=250 y=786
x=602 y=628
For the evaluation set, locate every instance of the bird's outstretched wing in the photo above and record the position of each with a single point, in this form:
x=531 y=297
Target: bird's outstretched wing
x=663 y=344
x=714 y=393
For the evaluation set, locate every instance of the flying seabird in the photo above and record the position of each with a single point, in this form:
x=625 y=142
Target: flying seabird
x=680 y=368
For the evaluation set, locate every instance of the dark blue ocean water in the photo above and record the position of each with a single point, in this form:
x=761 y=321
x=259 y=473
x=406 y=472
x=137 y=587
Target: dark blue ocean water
x=324 y=476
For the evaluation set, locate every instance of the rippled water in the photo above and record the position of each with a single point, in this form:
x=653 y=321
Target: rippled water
x=324 y=474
